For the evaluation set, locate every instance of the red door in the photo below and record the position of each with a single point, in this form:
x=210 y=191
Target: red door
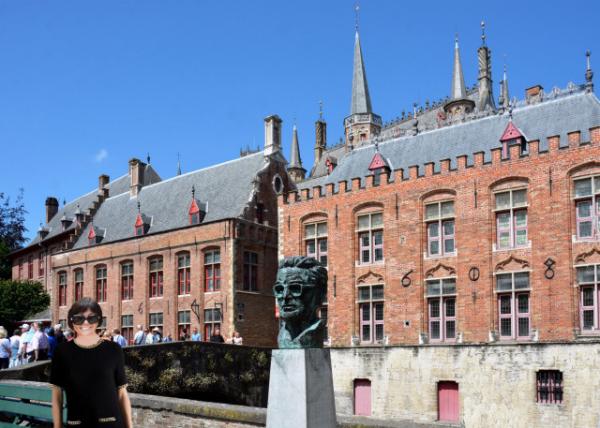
x=448 y=405
x=362 y=397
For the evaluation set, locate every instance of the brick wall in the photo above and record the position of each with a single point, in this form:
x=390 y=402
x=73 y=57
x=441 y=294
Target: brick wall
x=548 y=177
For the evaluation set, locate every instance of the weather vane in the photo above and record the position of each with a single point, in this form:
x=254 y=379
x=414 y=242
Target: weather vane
x=356 y=9
x=321 y=110
x=483 y=33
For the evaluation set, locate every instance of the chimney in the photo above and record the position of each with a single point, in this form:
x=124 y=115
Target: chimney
x=103 y=181
x=51 y=208
x=320 y=139
x=272 y=134
x=136 y=176
x=534 y=94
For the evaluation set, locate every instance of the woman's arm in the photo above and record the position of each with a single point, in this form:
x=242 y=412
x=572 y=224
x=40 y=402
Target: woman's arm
x=57 y=405
x=125 y=405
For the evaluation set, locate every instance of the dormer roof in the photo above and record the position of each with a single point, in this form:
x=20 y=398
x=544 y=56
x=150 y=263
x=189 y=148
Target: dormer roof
x=511 y=132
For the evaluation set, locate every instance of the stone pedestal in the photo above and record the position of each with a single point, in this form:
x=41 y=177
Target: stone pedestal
x=301 y=389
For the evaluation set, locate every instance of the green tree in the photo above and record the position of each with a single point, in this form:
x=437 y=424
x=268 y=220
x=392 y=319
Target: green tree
x=18 y=299
x=12 y=230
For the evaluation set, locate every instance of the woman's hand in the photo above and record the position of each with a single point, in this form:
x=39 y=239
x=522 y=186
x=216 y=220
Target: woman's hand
x=125 y=405
x=57 y=406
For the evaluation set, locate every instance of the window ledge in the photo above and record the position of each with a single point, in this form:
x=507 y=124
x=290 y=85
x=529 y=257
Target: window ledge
x=441 y=256
x=184 y=295
x=379 y=263
x=209 y=292
x=256 y=293
x=156 y=298
x=129 y=300
x=576 y=240
x=504 y=250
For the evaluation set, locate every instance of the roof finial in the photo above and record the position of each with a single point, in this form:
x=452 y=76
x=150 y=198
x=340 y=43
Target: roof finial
x=139 y=207
x=356 y=9
x=178 y=164
x=589 y=74
x=320 y=109
x=193 y=191
x=148 y=158
x=414 y=110
x=456 y=41
x=483 y=33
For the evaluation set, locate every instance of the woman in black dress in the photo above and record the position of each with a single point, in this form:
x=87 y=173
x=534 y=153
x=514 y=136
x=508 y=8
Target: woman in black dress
x=92 y=373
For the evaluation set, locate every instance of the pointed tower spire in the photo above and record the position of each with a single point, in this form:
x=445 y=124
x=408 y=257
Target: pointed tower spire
x=178 y=165
x=295 y=170
x=485 y=89
x=320 y=136
x=362 y=124
x=504 y=99
x=458 y=91
x=459 y=104
x=361 y=101
x=589 y=74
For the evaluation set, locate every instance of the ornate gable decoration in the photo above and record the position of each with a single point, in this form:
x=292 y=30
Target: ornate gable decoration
x=378 y=162
x=592 y=256
x=511 y=132
x=370 y=278
x=512 y=263
x=439 y=271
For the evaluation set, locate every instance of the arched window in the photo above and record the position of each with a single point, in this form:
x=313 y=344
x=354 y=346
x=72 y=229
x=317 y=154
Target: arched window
x=62 y=288
x=78 y=282
x=370 y=235
x=439 y=221
x=183 y=273
x=510 y=209
x=155 y=280
x=315 y=238
x=101 y=283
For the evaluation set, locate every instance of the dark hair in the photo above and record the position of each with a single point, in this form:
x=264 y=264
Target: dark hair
x=81 y=306
x=17 y=332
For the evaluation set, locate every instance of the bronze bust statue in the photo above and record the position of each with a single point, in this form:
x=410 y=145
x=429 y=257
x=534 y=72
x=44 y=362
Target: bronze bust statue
x=300 y=288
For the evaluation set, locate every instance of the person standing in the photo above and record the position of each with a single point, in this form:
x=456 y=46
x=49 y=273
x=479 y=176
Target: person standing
x=58 y=334
x=39 y=344
x=156 y=336
x=216 y=336
x=91 y=372
x=51 y=341
x=117 y=337
x=5 y=349
x=149 y=339
x=25 y=350
x=236 y=339
x=167 y=338
x=196 y=336
x=183 y=336
x=15 y=341
x=140 y=337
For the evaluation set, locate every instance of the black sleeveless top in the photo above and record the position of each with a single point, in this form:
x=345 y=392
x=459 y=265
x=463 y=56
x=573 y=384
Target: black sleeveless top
x=91 y=378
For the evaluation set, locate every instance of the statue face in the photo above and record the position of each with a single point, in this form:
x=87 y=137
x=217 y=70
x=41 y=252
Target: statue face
x=296 y=293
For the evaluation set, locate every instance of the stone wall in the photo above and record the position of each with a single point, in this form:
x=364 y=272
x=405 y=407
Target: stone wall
x=497 y=383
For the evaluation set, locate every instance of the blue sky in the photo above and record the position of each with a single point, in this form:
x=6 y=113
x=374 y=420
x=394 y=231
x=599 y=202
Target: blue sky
x=86 y=85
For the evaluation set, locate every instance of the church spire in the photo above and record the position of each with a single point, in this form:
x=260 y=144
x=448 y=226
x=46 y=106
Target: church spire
x=295 y=169
x=362 y=124
x=504 y=99
x=458 y=91
x=459 y=105
x=486 y=93
x=361 y=101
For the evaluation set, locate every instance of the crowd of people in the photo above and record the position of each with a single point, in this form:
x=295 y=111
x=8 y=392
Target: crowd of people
x=30 y=343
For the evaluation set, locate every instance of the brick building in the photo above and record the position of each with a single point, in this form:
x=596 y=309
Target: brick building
x=463 y=225
x=176 y=253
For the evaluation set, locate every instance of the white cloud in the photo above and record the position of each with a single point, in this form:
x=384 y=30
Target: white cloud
x=101 y=155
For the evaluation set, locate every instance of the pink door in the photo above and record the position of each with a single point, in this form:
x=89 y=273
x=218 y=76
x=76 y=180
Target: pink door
x=448 y=405
x=362 y=397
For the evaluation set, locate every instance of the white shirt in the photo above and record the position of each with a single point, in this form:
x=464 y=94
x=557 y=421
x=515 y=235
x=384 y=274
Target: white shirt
x=39 y=341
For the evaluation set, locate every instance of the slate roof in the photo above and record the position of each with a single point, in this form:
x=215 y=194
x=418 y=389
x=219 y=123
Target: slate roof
x=577 y=111
x=224 y=189
x=116 y=187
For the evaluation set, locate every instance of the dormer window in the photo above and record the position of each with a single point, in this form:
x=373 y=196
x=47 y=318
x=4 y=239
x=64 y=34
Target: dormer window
x=65 y=222
x=197 y=209
x=139 y=225
x=92 y=236
x=95 y=235
x=330 y=163
x=378 y=166
x=510 y=137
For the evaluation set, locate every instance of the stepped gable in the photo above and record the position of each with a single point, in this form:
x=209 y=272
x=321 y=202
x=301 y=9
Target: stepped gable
x=85 y=202
x=224 y=189
x=558 y=116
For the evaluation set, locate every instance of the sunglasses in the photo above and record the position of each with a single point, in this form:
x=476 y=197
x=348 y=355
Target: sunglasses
x=80 y=319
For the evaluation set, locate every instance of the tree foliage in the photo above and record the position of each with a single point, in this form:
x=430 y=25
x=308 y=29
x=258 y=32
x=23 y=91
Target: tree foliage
x=18 y=299
x=12 y=230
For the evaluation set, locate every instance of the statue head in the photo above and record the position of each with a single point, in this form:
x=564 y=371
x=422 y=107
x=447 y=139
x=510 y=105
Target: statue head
x=300 y=288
